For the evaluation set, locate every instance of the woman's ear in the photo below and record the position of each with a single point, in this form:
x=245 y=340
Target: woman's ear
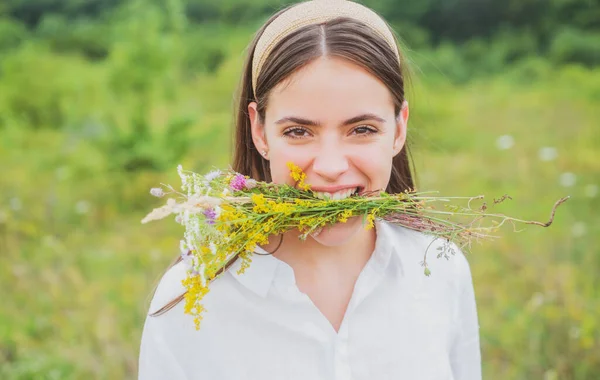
x=401 y=128
x=258 y=130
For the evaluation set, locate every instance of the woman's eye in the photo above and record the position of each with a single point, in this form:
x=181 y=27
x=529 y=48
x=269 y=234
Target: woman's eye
x=363 y=130
x=296 y=133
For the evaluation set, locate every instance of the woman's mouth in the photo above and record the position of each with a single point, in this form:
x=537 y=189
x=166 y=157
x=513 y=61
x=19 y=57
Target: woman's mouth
x=338 y=195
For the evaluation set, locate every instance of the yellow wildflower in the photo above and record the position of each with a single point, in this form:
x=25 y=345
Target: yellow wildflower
x=302 y=202
x=259 y=203
x=246 y=258
x=284 y=208
x=298 y=175
x=195 y=293
x=343 y=218
x=370 y=220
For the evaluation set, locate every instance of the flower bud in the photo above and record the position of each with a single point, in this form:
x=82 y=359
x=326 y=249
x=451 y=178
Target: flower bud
x=251 y=183
x=157 y=192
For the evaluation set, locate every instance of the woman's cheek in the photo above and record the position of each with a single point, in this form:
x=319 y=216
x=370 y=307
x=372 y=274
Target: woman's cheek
x=375 y=165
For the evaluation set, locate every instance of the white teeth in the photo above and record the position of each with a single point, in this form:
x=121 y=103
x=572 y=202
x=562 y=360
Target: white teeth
x=339 y=195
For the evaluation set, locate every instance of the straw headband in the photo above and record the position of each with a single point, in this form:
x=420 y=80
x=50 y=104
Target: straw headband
x=315 y=12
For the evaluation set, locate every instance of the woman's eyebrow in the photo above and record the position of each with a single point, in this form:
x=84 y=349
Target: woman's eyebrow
x=363 y=117
x=312 y=123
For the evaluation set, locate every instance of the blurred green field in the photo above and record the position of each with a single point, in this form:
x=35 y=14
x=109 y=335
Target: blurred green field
x=82 y=142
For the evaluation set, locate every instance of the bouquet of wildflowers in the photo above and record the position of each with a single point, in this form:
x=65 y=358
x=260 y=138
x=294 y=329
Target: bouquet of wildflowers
x=226 y=215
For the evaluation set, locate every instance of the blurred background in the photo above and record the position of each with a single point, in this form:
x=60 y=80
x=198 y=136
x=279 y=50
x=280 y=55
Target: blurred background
x=101 y=99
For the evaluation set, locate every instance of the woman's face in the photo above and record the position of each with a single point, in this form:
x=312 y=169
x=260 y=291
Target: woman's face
x=336 y=122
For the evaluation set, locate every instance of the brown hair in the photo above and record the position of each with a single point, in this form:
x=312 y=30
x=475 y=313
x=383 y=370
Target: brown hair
x=341 y=37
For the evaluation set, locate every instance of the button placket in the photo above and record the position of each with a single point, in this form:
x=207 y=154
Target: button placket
x=342 y=363
x=366 y=282
x=341 y=358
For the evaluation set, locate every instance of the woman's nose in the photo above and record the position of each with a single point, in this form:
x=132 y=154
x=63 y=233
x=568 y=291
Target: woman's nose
x=330 y=162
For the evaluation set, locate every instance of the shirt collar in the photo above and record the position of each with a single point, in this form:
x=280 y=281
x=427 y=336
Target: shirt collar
x=265 y=269
x=383 y=246
x=259 y=275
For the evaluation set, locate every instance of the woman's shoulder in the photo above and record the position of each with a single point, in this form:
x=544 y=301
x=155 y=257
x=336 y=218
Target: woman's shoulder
x=443 y=257
x=169 y=287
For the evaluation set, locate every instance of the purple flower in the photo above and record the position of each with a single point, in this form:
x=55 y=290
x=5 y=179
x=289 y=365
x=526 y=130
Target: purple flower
x=210 y=215
x=238 y=182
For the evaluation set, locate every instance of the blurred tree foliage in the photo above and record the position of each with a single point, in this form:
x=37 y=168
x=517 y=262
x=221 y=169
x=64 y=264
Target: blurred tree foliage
x=80 y=24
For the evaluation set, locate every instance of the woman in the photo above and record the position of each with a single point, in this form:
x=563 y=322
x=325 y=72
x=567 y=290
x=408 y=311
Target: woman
x=323 y=87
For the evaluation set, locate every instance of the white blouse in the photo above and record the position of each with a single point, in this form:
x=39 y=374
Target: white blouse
x=399 y=323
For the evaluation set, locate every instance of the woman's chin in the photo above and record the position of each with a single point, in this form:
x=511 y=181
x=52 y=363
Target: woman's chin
x=339 y=233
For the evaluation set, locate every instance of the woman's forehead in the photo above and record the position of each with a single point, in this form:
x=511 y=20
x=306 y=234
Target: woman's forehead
x=331 y=88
